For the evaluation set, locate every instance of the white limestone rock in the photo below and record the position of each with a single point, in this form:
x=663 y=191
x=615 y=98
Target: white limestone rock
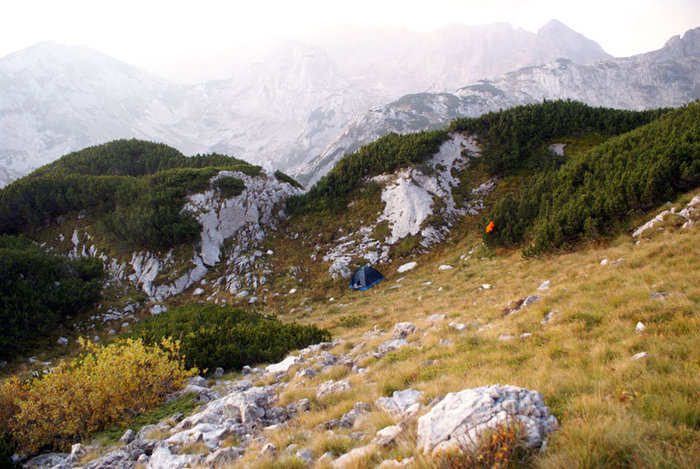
x=387 y=435
x=401 y=404
x=462 y=416
x=351 y=459
x=284 y=365
x=332 y=387
x=407 y=266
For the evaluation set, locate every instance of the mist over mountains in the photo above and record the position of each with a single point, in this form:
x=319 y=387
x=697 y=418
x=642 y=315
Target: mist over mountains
x=668 y=77
x=280 y=112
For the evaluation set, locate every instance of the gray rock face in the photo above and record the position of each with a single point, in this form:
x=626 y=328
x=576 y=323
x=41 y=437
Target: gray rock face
x=387 y=435
x=332 y=387
x=401 y=404
x=461 y=417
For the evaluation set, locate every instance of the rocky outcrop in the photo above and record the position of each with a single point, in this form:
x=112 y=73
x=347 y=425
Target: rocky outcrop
x=245 y=219
x=412 y=197
x=461 y=417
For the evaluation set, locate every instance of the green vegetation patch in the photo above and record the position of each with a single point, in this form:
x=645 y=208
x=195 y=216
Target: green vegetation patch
x=38 y=290
x=213 y=336
x=595 y=192
x=135 y=189
x=333 y=191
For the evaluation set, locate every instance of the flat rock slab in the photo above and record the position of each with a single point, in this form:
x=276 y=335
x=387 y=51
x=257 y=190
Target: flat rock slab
x=461 y=417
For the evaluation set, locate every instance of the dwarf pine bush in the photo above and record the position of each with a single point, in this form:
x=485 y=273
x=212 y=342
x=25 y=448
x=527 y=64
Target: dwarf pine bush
x=105 y=385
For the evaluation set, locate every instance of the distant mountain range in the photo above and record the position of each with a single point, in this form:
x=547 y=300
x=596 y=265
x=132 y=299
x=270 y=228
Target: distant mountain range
x=669 y=76
x=280 y=112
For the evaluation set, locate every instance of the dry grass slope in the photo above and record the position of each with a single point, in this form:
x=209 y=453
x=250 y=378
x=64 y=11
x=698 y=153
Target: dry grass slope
x=613 y=411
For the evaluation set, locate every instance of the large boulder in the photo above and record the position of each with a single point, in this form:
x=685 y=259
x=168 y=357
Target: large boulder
x=461 y=417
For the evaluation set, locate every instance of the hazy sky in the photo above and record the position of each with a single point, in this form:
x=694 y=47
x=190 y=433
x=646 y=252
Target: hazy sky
x=186 y=39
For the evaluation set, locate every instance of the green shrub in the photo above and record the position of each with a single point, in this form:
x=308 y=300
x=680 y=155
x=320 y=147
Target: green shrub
x=289 y=180
x=7 y=450
x=332 y=191
x=592 y=194
x=212 y=336
x=38 y=289
x=135 y=189
x=229 y=186
x=517 y=138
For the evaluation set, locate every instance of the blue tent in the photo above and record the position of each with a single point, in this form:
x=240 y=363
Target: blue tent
x=365 y=278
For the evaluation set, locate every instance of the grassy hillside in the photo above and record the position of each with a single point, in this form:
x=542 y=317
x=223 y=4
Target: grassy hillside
x=593 y=193
x=613 y=411
x=134 y=189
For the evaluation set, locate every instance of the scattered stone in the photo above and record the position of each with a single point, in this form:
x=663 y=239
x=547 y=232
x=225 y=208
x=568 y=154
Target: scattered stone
x=307 y=373
x=657 y=295
x=389 y=346
x=111 y=332
x=157 y=309
x=549 y=317
x=544 y=286
x=521 y=303
x=359 y=436
x=525 y=335
x=325 y=459
x=403 y=329
x=360 y=408
x=268 y=451
x=284 y=365
x=47 y=460
x=604 y=261
x=487 y=286
x=198 y=291
x=396 y=464
x=387 y=435
x=305 y=455
x=445 y=267
x=461 y=417
x=218 y=372
x=222 y=457
x=350 y=460
x=62 y=341
x=406 y=267
x=303 y=405
x=458 y=326
x=77 y=451
x=618 y=262
x=640 y=356
x=127 y=437
x=125 y=325
x=640 y=328
x=436 y=317
x=332 y=387
x=242 y=294
x=505 y=337
x=292 y=291
x=403 y=404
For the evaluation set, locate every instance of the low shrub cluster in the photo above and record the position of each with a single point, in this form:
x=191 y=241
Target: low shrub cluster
x=594 y=193
x=517 y=138
x=213 y=336
x=38 y=289
x=105 y=385
x=135 y=189
x=385 y=155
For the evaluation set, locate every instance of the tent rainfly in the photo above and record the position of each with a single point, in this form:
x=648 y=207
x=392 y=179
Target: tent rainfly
x=365 y=278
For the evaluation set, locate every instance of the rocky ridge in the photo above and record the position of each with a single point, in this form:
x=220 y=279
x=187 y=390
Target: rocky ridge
x=667 y=77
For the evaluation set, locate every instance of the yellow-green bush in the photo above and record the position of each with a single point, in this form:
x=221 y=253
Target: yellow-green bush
x=106 y=385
